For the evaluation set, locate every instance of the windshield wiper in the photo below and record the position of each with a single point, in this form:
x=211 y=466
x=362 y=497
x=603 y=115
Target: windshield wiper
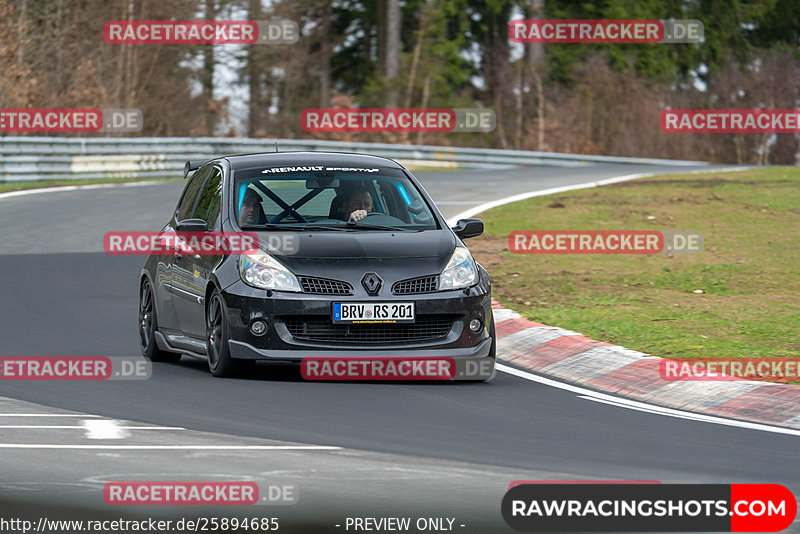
x=294 y=227
x=381 y=227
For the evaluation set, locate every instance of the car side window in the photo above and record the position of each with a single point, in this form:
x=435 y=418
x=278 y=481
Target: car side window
x=189 y=197
x=208 y=205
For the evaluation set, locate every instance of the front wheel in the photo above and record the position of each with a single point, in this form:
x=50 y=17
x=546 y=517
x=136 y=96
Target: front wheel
x=148 y=325
x=220 y=362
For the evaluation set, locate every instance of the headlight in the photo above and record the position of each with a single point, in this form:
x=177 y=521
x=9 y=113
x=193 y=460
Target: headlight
x=259 y=269
x=460 y=271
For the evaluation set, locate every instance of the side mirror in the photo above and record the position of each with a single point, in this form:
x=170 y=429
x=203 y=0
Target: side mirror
x=192 y=225
x=465 y=228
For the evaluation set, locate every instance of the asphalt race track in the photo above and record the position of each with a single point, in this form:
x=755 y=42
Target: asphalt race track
x=416 y=450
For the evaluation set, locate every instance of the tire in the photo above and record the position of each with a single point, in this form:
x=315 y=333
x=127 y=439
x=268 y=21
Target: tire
x=493 y=349
x=220 y=362
x=148 y=326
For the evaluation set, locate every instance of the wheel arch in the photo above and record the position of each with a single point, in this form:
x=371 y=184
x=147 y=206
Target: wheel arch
x=210 y=287
x=145 y=276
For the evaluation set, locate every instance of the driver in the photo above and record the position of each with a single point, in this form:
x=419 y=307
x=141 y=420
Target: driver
x=357 y=206
x=251 y=212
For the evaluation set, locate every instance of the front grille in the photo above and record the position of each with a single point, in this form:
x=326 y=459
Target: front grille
x=323 y=330
x=323 y=286
x=426 y=284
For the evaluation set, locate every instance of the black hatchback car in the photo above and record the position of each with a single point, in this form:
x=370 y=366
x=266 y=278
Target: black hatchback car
x=354 y=261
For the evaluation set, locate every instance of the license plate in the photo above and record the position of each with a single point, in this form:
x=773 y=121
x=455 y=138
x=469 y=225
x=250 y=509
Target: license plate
x=373 y=312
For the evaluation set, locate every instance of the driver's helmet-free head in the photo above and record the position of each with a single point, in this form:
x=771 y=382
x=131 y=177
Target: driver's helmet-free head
x=357 y=199
x=251 y=211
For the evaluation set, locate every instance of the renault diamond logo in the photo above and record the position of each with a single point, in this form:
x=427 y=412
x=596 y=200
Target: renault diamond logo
x=372 y=283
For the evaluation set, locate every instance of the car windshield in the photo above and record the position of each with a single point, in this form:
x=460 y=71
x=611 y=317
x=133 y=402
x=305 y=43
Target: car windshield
x=320 y=197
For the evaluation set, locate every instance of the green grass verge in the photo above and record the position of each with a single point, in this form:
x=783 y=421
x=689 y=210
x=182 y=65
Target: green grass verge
x=6 y=187
x=749 y=269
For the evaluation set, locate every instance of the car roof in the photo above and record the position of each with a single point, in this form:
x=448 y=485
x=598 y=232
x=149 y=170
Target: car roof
x=270 y=159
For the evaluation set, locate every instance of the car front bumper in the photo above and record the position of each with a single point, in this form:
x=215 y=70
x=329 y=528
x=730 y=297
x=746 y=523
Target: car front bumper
x=246 y=304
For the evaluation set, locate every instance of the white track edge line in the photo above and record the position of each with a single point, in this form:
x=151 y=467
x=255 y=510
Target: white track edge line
x=643 y=406
x=170 y=447
x=46 y=415
x=468 y=213
x=62 y=188
x=586 y=185
x=42 y=427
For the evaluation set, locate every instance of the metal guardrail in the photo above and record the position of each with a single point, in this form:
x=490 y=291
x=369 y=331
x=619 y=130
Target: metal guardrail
x=55 y=158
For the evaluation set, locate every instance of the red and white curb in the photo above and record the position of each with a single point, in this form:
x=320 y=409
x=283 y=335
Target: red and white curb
x=570 y=357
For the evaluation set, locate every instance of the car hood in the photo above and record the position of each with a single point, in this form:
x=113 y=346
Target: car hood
x=420 y=253
x=369 y=244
